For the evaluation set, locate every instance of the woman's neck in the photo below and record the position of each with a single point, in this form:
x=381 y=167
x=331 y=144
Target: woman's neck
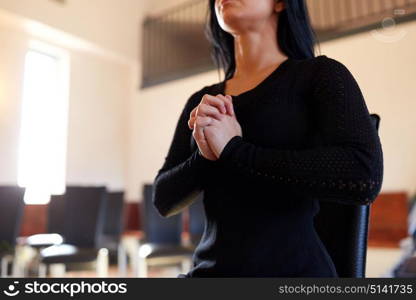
x=256 y=52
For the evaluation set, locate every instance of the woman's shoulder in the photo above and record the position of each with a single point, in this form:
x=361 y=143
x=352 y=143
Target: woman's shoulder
x=321 y=62
x=329 y=66
x=326 y=69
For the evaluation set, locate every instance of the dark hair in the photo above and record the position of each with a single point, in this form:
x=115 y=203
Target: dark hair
x=296 y=37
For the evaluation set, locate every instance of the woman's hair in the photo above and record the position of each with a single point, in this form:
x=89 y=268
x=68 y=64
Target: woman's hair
x=295 y=35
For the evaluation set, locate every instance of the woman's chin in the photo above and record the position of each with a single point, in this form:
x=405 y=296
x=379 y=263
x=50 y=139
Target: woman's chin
x=232 y=19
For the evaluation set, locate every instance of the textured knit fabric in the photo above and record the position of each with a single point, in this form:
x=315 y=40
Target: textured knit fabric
x=307 y=136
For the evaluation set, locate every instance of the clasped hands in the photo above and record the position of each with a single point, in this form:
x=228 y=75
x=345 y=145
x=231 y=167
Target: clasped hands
x=214 y=124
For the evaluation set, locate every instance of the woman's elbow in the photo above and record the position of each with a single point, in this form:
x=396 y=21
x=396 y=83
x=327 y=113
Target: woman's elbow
x=369 y=188
x=369 y=192
x=159 y=199
x=370 y=168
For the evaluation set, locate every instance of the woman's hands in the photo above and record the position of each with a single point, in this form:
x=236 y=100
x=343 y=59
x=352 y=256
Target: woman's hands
x=214 y=123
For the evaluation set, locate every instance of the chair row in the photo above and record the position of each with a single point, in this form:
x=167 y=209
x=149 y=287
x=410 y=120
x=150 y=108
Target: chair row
x=11 y=213
x=84 y=227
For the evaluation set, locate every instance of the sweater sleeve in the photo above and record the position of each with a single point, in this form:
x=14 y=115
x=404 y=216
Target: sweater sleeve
x=347 y=167
x=179 y=180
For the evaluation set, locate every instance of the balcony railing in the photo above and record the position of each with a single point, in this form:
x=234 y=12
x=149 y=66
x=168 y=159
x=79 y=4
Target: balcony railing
x=174 y=44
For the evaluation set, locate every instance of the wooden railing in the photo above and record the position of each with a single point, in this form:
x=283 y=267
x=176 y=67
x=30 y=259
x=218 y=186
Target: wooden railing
x=174 y=45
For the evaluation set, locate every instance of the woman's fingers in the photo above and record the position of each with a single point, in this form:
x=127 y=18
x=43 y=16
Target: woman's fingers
x=192 y=118
x=212 y=106
x=203 y=110
x=214 y=101
x=230 y=99
x=203 y=121
x=228 y=103
x=208 y=110
x=200 y=138
x=200 y=123
x=210 y=100
x=199 y=134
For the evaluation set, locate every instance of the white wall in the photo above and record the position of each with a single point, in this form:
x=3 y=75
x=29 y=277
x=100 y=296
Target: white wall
x=112 y=24
x=97 y=121
x=100 y=90
x=384 y=71
x=11 y=66
x=102 y=36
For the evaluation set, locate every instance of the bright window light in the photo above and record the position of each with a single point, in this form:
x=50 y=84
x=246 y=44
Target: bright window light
x=43 y=131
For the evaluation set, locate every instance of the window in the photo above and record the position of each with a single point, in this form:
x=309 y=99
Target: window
x=43 y=131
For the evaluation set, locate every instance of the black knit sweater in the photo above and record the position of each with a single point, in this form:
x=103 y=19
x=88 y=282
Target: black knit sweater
x=307 y=135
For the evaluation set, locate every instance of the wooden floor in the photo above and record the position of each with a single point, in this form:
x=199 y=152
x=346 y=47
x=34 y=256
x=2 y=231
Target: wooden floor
x=154 y=272
x=379 y=262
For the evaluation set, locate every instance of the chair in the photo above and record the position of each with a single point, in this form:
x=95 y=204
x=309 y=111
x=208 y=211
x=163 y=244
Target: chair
x=56 y=213
x=113 y=228
x=162 y=238
x=55 y=226
x=344 y=231
x=407 y=268
x=406 y=263
x=11 y=212
x=412 y=219
x=196 y=220
x=83 y=227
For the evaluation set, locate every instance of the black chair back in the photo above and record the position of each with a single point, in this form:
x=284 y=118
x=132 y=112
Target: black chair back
x=84 y=215
x=344 y=231
x=157 y=229
x=113 y=221
x=11 y=212
x=196 y=219
x=412 y=221
x=56 y=214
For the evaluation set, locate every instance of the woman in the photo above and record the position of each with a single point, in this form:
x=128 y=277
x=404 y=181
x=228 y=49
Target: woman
x=283 y=130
